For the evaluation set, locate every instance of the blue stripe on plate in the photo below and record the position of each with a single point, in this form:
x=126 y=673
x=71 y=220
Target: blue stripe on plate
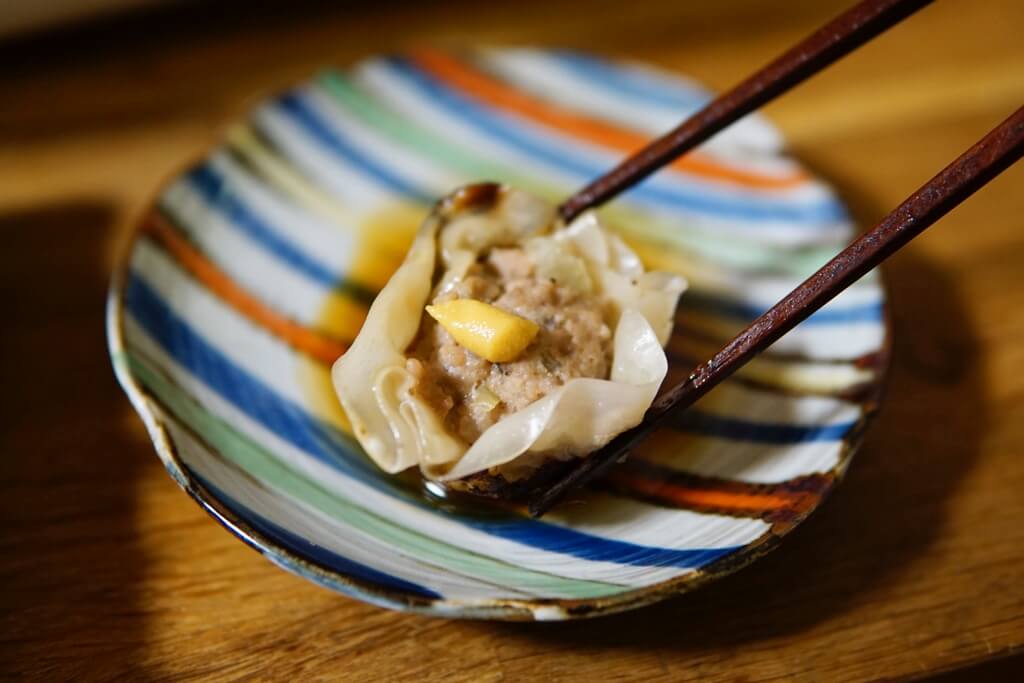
x=708 y=303
x=310 y=551
x=594 y=548
x=662 y=93
x=288 y=421
x=747 y=208
x=299 y=111
x=215 y=189
x=758 y=432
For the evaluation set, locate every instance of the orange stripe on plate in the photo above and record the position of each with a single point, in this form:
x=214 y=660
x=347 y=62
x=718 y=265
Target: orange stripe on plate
x=705 y=498
x=316 y=345
x=496 y=93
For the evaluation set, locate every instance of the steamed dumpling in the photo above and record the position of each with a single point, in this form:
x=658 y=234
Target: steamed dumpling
x=543 y=342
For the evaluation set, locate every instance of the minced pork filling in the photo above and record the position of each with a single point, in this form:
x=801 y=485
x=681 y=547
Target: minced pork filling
x=471 y=393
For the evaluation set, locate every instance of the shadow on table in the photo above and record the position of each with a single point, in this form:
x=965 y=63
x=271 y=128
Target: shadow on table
x=167 y=60
x=71 y=456
x=877 y=524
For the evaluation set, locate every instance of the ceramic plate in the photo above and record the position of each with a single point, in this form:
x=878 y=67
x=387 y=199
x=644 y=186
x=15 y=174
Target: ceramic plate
x=255 y=267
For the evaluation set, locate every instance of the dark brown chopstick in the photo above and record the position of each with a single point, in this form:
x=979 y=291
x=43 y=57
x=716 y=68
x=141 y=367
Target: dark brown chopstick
x=1003 y=146
x=832 y=41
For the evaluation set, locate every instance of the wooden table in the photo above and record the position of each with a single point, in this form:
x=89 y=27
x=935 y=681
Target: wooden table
x=108 y=570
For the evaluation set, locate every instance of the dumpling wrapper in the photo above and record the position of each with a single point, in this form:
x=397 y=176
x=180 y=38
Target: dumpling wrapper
x=399 y=429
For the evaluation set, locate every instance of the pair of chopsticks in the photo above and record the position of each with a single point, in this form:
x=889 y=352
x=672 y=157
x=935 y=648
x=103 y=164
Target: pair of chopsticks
x=991 y=155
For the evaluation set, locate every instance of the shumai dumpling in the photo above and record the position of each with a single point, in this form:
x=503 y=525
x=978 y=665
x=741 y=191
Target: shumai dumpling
x=506 y=345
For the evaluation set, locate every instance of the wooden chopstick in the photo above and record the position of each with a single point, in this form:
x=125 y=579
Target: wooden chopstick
x=1003 y=146
x=828 y=44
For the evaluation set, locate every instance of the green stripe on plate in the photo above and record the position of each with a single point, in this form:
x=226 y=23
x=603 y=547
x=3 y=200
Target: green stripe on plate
x=426 y=144
x=449 y=152
x=275 y=475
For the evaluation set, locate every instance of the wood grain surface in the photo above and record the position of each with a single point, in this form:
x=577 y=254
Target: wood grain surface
x=108 y=571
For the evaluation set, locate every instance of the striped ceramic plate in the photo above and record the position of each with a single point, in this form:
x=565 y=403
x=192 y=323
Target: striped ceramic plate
x=256 y=266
